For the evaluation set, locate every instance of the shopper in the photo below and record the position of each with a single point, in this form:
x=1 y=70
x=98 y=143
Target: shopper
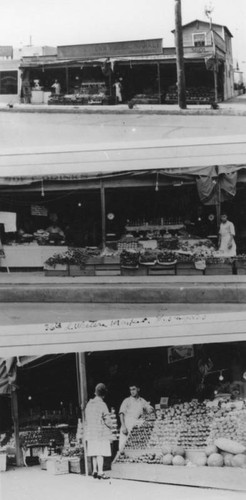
x=131 y=410
x=227 y=245
x=98 y=434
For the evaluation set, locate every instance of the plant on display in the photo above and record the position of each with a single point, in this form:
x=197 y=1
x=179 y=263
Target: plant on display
x=73 y=256
x=129 y=258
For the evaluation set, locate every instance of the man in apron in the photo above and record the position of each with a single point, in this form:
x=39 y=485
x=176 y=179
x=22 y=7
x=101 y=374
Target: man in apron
x=131 y=410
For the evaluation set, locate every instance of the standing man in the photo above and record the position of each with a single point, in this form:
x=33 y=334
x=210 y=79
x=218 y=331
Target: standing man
x=131 y=410
x=57 y=87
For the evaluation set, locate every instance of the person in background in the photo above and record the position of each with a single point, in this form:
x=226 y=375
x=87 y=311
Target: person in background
x=227 y=245
x=118 y=91
x=97 y=431
x=55 y=232
x=57 y=87
x=131 y=410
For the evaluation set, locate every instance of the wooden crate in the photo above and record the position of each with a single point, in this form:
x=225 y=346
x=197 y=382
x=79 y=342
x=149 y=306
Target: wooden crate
x=140 y=271
x=88 y=270
x=240 y=267
x=218 y=269
x=57 y=465
x=107 y=270
x=188 y=269
x=58 y=270
x=161 y=270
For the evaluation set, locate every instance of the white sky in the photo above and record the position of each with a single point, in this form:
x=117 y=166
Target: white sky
x=65 y=22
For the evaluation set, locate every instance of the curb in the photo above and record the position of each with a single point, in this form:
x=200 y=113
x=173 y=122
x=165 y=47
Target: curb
x=111 y=111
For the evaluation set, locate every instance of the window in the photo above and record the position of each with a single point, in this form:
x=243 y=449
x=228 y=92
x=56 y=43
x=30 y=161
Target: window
x=199 y=39
x=8 y=82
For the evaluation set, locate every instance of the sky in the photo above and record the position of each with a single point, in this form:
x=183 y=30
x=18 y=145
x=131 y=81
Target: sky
x=67 y=22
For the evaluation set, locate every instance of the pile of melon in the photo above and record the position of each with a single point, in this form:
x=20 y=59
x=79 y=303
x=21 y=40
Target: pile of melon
x=224 y=452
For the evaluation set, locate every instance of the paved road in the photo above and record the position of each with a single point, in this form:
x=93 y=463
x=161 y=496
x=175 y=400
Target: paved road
x=39 y=129
x=35 y=484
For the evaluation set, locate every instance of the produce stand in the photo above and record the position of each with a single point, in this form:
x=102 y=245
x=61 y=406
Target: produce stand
x=179 y=446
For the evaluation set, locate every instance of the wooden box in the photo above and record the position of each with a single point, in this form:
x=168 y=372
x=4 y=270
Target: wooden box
x=57 y=465
x=218 y=269
x=187 y=269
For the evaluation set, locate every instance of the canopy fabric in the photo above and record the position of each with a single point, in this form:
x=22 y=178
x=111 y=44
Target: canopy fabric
x=187 y=156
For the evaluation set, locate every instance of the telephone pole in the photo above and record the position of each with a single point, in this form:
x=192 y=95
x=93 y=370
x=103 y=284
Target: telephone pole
x=179 y=55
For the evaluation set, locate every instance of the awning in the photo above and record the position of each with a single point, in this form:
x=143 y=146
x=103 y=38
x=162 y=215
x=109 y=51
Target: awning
x=131 y=333
x=197 y=156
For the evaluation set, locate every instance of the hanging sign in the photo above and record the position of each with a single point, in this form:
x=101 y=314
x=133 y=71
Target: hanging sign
x=39 y=211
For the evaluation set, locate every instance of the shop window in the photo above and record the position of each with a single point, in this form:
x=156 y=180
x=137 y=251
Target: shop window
x=8 y=82
x=199 y=39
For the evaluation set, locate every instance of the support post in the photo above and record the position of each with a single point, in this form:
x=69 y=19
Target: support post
x=159 y=82
x=179 y=56
x=15 y=418
x=103 y=214
x=82 y=397
x=67 y=81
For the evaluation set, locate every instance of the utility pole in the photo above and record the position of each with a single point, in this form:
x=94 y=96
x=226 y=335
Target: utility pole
x=179 y=55
x=208 y=12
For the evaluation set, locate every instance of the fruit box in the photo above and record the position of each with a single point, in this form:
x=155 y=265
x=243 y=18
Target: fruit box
x=57 y=466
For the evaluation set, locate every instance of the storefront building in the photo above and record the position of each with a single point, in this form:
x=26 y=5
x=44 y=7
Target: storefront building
x=142 y=70
x=149 y=201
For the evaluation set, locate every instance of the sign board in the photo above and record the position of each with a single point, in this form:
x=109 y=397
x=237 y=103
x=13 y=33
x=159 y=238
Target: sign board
x=114 y=334
x=179 y=353
x=114 y=49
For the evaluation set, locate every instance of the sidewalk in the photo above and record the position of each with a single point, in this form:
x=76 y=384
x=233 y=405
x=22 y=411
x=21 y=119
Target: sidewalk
x=35 y=484
x=233 y=107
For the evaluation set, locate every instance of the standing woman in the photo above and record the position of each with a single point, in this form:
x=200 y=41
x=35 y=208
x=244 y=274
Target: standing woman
x=227 y=244
x=98 y=434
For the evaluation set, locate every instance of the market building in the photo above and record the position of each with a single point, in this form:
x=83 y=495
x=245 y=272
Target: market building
x=142 y=70
x=142 y=209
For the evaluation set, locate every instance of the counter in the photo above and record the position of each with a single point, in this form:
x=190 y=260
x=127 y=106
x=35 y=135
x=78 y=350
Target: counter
x=18 y=256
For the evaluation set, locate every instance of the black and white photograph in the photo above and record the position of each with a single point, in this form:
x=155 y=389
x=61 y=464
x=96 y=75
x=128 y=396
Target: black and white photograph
x=123 y=250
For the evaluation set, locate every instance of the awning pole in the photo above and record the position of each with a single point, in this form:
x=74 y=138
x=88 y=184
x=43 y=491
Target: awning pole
x=159 y=82
x=82 y=396
x=103 y=215
x=15 y=417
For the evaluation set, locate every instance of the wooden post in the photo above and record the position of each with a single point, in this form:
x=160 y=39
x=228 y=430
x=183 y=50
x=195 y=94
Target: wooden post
x=159 y=82
x=179 y=56
x=82 y=396
x=67 y=82
x=103 y=215
x=15 y=418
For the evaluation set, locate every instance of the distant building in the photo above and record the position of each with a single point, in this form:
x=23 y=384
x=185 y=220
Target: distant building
x=33 y=51
x=6 y=52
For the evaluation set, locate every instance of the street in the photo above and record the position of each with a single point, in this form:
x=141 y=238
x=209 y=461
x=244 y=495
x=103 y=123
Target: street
x=34 y=483
x=23 y=130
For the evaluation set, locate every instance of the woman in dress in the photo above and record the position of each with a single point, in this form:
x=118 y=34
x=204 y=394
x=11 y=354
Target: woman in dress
x=227 y=244
x=98 y=434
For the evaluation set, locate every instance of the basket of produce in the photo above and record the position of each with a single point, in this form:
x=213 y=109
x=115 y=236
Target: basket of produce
x=166 y=259
x=148 y=258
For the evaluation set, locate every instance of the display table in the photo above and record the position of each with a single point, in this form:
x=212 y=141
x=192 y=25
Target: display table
x=155 y=227
x=18 y=256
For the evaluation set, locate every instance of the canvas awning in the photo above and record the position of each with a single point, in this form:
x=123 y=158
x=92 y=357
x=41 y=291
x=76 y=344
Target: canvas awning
x=194 y=156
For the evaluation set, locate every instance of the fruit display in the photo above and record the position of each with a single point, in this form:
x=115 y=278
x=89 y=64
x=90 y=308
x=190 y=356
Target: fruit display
x=192 y=434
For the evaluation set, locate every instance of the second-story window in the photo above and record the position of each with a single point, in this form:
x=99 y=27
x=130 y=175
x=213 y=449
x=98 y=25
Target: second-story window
x=199 y=39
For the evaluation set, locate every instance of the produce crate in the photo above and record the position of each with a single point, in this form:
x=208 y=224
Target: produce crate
x=159 y=270
x=188 y=268
x=218 y=269
x=57 y=465
x=140 y=271
x=58 y=270
x=107 y=270
x=240 y=267
x=3 y=462
x=88 y=270
x=43 y=463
